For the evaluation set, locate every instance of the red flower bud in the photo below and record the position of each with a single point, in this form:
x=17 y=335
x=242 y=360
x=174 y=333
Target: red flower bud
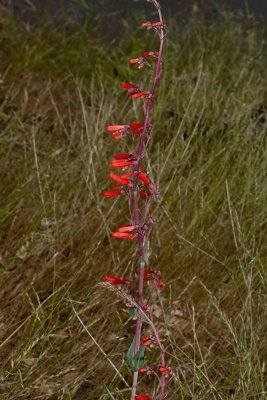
x=118 y=179
x=125 y=176
x=124 y=156
x=145 y=24
x=161 y=285
x=164 y=369
x=123 y=235
x=145 y=338
x=111 y=194
x=116 y=281
x=149 y=271
x=144 y=178
x=142 y=370
x=145 y=307
x=116 y=127
x=142 y=397
x=133 y=61
x=136 y=95
x=153 y=54
x=136 y=125
x=121 y=163
x=128 y=85
x=145 y=194
x=117 y=135
x=127 y=228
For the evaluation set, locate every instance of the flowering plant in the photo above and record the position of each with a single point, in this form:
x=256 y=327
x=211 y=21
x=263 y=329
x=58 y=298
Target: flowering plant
x=135 y=185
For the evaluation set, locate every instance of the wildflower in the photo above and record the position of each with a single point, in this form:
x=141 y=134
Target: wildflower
x=119 y=179
x=116 y=127
x=118 y=131
x=131 y=88
x=145 y=338
x=140 y=61
x=161 y=285
x=116 y=281
x=149 y=271
x=145 y=307
x=127 y=228
x=164 y=369
x=144 y=178
x=121 y=163
x=124 y=156
x=149 y=24
x=128 y=85
x=123 y=235
x=153 y=54
x=126 y=176
x=136 y=125
x=145 y=194
x=136 y=95
x=142 y=397
x=142 y=370
x=111 y=194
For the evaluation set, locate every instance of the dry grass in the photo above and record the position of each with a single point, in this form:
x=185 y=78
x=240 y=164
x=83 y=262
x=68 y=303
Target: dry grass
x=62 y=337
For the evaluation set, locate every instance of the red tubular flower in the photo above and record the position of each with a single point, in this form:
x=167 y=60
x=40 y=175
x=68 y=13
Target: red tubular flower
x=136 y=125
x=136 y=95
x=125 y=176
x=133 y=60
x=116 y=281
x=141 y=61
x=124 y=156
x=123 y=235
x=153 y=54
x=149 y=272
x=144 y=178
x=121 y=163
x=127 y=228
x=117 y=135
x=164 y=369
x=145 y=24
x=145 y=194
x=116 y=187
x=145 y=338
x=142 y=370
x=116 y=127
x=128 y=85
x=111 y=194
x=142 y=397
x=156 y=24
x=140 y=94
x=161 y=285
x=118 y=179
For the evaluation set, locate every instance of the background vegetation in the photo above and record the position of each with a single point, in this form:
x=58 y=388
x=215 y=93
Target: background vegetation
x=62 y=337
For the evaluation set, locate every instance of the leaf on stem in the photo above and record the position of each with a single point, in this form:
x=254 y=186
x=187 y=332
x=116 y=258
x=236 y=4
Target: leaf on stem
x=135 y=360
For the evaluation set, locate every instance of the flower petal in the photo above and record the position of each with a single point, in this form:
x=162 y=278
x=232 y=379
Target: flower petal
x=111 y=194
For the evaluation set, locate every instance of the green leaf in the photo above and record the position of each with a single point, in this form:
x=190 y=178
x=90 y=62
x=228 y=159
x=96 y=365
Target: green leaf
x=132 y=311
x=110 y=395
x=139 y=359
x=136 y=360
x=131 y=353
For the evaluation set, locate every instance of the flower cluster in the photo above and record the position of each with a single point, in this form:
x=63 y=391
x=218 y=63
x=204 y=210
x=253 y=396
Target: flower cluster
x=134 y=183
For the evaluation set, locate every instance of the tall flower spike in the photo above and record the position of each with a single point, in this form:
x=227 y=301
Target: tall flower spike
x=131 y=184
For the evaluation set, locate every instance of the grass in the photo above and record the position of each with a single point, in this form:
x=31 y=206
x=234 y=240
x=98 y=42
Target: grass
x=62 y=337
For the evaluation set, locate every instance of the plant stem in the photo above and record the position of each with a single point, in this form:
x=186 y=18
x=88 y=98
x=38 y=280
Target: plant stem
x=142 y=238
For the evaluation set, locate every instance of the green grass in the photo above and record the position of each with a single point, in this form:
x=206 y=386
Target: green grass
x=62 y=337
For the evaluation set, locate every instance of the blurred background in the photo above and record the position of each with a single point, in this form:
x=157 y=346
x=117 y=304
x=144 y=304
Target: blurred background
x=72 y=11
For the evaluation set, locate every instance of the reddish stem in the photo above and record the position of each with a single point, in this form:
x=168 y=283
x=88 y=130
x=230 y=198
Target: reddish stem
x=142 y=241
